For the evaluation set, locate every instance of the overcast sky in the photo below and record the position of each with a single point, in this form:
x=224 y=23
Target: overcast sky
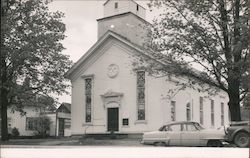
x=81 y=26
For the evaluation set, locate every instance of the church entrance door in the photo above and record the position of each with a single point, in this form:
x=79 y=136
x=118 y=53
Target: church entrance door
x=113 y=119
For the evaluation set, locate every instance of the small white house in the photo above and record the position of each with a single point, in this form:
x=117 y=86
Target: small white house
x=109 y=95
x=26 y=124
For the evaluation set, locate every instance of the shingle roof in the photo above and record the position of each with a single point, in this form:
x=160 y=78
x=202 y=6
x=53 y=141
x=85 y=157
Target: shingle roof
x=66 y=105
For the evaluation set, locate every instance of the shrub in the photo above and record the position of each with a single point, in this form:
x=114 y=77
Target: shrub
x=42 y=126
x=14 y=132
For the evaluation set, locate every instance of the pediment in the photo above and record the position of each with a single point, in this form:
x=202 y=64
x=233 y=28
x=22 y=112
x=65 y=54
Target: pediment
x=98 y=45
x=112 y=99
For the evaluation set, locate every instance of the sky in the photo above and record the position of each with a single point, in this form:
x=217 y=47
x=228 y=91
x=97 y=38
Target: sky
x=81 y=26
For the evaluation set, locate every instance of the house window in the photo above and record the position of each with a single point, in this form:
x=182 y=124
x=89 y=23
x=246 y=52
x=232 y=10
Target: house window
x=67 y=123
x=88 y=99
x=188 y=110
x=125 y=122
x=137 y=7
x=141 y=95
x=212 y=112
x=31 y=123
x=116 y=5
x=222 y=114
x=201 y=111
x=172 y=110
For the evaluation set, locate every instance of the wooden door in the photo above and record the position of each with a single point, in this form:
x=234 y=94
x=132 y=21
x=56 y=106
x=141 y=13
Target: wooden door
x=113 y=119
x=61 y=127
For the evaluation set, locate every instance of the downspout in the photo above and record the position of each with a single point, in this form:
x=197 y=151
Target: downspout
x=192 y=109
x=56 y=125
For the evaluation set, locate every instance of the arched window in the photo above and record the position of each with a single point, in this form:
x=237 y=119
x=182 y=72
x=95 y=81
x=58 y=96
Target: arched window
x=140 y=95
x=88 y=101
x=188 y=112
x=201 y=111
x=212 y=112
x=172 y=110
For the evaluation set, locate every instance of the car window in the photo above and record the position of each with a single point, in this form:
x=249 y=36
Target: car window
x=175 y=127
x=189 y=127
x=162 y=128
x=198 y=126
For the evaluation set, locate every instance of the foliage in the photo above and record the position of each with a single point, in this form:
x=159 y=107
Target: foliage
x=15 y=133
x=211 y=35
x=42 y=126
x=31 y=60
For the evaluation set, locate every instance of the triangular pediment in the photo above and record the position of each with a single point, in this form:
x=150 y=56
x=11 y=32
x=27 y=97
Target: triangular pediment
x=104 y=39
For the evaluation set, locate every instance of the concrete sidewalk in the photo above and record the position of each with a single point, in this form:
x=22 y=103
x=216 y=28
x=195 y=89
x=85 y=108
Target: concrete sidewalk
x=72 y=142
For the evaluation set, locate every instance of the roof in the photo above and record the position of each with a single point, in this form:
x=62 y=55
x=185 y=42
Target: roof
x=144 y=51
x=101 y=40
x=130 y=0
x=121 y=14
x=66 y=105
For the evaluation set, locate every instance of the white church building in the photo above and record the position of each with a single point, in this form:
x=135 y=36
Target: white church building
x=109 y=94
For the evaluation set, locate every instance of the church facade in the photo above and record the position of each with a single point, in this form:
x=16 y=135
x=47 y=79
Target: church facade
x=110 y=95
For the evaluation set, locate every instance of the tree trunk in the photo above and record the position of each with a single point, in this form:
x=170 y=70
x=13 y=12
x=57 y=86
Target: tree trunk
x=234 y=101
x=4 y=100
x=4 y=118
x=3 y=94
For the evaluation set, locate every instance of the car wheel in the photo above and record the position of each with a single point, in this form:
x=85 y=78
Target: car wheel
x=159 y=144
x=241 y=139
x=214 y=143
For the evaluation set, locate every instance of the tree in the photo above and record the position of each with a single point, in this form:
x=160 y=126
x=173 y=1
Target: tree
x=31 y=60
x=211 y=34
x=42 y=126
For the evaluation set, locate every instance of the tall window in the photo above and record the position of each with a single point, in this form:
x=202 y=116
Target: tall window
x=188 y=110
x=137 y=7
x=212 y=112
x=222 y=114
x=172 y=110
x=88 y=100
x=141 y=95
x=116 y=5
x=201 y=111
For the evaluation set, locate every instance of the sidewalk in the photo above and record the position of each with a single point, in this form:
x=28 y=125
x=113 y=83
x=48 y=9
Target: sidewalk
x=72 y=142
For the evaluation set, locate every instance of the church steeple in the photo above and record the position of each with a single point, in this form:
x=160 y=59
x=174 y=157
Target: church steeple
x=114 y=7
x=126 y=18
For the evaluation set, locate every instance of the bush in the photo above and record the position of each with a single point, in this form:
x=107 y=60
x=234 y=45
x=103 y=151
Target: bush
x=43 y=126
x=14 y=132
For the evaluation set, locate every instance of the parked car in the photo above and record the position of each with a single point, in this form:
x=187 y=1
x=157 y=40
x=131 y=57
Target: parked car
x=238 y=133
x=184 y=133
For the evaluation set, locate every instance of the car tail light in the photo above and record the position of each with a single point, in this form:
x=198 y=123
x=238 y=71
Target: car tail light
x=226 y=129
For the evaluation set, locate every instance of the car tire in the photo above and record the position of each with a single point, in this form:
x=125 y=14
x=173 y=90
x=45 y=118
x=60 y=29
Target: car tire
x=159 y=144
x=241 y=139
x=214 y=143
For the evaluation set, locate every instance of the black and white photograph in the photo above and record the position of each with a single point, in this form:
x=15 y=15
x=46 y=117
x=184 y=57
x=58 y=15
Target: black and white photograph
x=125 y=79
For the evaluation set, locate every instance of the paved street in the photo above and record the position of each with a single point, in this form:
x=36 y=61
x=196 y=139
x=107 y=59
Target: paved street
x=121 y=152
x=89 y=147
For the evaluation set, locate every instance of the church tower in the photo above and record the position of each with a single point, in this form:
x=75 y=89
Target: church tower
x=126 y=18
